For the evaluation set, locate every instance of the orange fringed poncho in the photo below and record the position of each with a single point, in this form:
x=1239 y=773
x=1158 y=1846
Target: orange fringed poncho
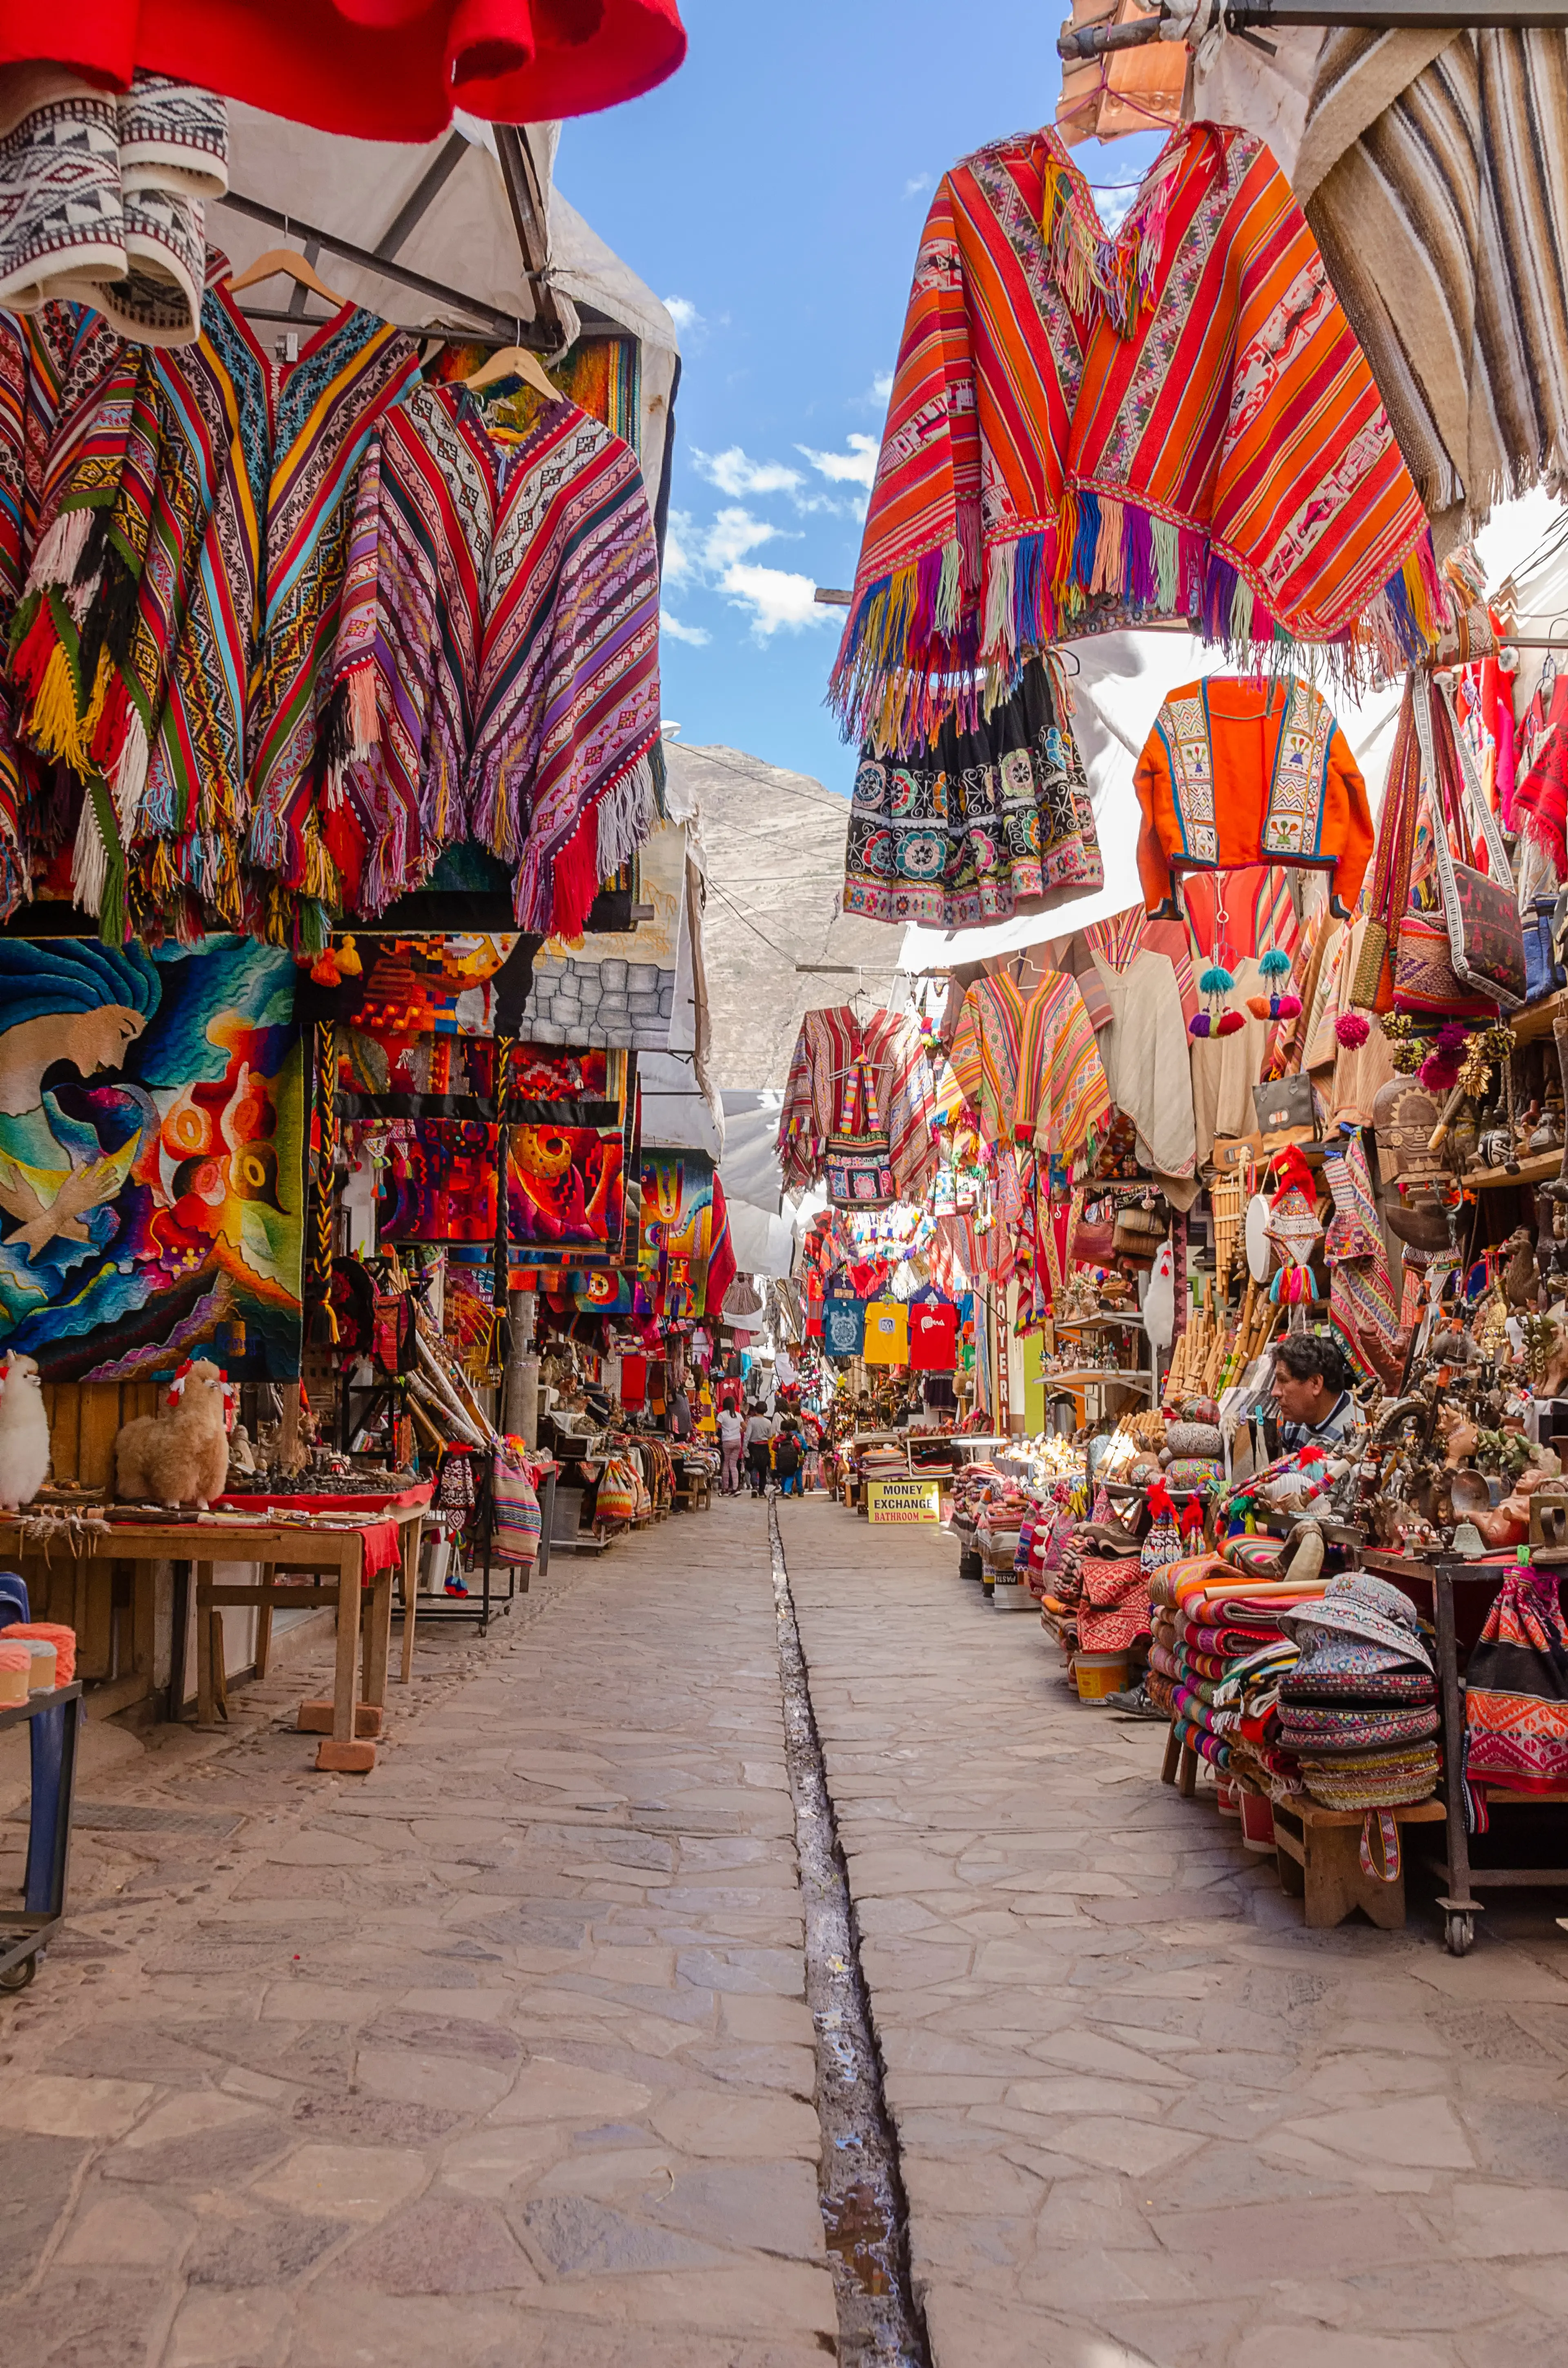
x=1084 y=430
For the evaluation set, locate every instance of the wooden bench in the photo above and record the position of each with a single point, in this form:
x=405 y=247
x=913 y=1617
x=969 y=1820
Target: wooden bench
x=1318 y=1850
x=1319 y=1856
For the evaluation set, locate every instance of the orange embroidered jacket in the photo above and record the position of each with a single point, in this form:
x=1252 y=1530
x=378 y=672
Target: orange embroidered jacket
x=1241 y=771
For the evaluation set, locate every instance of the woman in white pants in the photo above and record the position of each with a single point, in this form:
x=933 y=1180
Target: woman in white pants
x=729 y=1452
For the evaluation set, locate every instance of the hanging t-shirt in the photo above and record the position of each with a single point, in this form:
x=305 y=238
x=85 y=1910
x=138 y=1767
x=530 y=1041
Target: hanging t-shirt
x=843 y=1326
x=934 y=1338
x=887 y=1333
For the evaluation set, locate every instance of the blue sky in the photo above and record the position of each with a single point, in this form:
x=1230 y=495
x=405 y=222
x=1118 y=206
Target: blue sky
x=776 y=188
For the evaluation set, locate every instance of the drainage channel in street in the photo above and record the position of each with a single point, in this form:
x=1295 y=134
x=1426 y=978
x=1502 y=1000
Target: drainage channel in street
x=863 y=2206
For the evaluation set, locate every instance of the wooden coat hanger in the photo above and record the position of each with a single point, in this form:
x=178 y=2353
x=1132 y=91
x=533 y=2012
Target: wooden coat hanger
x=283 y=261
x=515 y=361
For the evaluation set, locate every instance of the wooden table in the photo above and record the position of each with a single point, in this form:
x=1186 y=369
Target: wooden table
x=349 y=1723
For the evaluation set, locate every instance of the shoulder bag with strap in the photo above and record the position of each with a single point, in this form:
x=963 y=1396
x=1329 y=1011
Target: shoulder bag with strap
x=1486 y=936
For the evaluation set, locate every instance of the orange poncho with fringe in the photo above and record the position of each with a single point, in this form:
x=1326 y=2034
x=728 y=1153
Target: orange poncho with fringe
x=1087 y=430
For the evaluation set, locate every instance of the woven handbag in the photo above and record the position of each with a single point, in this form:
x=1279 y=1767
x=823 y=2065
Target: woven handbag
x=859 y=1171
x=1372 y=988
x=1486 y=935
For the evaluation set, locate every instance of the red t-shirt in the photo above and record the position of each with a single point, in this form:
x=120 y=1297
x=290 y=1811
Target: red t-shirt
x=933 y=1337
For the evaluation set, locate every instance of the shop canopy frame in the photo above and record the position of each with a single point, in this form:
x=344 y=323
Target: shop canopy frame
x=1252 y=17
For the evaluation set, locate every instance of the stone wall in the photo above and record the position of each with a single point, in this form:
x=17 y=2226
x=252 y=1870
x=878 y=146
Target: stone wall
x=625 y=1005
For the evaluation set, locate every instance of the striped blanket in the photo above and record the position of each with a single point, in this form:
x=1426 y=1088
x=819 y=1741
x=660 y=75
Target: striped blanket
x=1086 y=429
x=1434 y=171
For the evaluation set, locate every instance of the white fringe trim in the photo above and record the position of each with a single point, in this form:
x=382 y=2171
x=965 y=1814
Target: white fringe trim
x=626 y=815
x=128 y=782
x=89 y=862
x=55 y=560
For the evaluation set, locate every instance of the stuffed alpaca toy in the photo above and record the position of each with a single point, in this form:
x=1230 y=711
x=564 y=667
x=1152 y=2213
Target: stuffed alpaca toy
x=180 y=1455
x=24 y=1433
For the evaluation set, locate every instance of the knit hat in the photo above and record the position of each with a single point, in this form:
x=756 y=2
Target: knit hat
x=1356 y=1604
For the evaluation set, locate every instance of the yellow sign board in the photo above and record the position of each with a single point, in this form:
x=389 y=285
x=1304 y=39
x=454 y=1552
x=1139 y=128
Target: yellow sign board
x=905 y=1501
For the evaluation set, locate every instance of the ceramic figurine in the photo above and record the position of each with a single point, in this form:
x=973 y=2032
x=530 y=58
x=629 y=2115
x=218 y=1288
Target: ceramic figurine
x=180 y=1455
x=24 y=1433
x=242 y=1456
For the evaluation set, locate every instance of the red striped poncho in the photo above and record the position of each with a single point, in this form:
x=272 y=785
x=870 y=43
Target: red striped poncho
x=511 y=619
x=1085 y=430
x=854 y=1080
x=53 y=365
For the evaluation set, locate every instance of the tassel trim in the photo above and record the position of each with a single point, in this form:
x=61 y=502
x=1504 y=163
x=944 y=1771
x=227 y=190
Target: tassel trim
x=902 y=670
x=555 y=894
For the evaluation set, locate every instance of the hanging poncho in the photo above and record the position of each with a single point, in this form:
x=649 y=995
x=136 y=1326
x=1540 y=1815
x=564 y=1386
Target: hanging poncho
x=407 y=655
x=187 y=593
x=53 y=365
x=554 y=675
x=1084 y=430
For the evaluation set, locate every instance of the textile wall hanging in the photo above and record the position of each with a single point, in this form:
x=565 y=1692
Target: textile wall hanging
x=151 y=1151
x=566 y=1184
x=678 y=1222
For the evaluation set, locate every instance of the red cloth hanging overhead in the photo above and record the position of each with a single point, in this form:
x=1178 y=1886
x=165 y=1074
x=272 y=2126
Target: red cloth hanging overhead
x=372 y=69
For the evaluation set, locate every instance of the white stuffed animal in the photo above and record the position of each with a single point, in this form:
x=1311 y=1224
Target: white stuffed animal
x=24 y=1433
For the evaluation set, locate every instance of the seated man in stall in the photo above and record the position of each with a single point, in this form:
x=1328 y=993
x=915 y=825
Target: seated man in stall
x=1311 y=1389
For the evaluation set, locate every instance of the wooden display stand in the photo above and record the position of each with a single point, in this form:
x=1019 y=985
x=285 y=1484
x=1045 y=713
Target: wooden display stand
x=352 y=1717
x=1319 y=1856
x=1318 y=1850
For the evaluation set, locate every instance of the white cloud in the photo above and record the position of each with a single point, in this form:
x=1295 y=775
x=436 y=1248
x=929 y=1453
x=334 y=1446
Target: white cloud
x=732 y=533
x=913 y=189
x=881 y=385
x=735 y=474
x=692 y=634
x=685 y=315
x=775 y=599
x=678 y=561
x=856 y=467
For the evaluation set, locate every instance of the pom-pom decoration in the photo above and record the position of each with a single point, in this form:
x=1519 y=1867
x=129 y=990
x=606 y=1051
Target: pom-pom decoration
x=1216 y=979
x=1160 y=1501
x=1351 y=1030
x=1200 y=1024
x=1287 y=1006
x=1439 y=1072
x=1228 y=1022
x=1310 y=1455
x=1452 y=1036
x=1259 y=1005
x=1276 y=962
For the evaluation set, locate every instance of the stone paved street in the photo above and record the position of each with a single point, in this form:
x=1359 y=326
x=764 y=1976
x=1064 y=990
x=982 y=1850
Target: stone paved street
x=1144 y=2114
x=500 y=2056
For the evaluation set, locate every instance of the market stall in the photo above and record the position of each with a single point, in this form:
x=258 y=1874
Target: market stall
x=1220 y=1103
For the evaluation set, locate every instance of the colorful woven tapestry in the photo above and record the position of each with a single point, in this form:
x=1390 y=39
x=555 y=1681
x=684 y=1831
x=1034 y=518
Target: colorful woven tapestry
x=1086 y=429
x=1516 y=1688
x=567 y=1184
x=152 y=1129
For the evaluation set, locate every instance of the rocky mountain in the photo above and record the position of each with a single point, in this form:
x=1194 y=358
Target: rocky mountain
x=773 y=844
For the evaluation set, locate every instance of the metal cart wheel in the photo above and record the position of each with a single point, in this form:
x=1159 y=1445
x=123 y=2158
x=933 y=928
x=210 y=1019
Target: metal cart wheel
x=19 y=1976
x=1458 y=1932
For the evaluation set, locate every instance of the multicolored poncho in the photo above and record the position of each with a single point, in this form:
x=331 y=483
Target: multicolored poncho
x=1175 y=421
x=184 y=598
x=498 y=663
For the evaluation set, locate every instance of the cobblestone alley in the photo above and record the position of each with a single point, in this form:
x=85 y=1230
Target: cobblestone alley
x=501 y=2055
